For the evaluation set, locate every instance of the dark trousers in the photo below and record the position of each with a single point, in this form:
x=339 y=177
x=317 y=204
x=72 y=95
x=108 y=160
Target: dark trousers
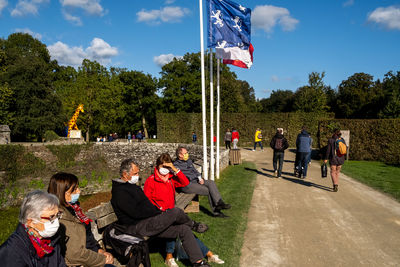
x=228 y=144
x=260 y=143
x=278 y=156
x=303 y=163
x=172 y=223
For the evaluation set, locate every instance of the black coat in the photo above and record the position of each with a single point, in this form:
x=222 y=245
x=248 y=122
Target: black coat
x=18 y=251
x=285 y=143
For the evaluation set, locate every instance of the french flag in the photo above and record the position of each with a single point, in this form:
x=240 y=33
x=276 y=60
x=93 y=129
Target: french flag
x=236 y=56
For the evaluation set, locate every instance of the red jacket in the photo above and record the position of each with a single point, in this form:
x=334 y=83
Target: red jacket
x=162 y=194
x=235 y=135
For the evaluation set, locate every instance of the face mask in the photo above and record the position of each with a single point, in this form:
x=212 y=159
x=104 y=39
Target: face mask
x=186 y=157
x=74 y=198
x=163 y=171
x=50 y=228
x=134 y=179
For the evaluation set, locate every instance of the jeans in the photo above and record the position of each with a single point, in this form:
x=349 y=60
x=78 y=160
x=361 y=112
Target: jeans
x=303 y=164
x=209 y=189
x=260 y=143
x=278 y=156
x=180 y=252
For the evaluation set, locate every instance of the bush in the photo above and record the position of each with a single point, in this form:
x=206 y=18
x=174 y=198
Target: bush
x=50 y=136
x=65 y=154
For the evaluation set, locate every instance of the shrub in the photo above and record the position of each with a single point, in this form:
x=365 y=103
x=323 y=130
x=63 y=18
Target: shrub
x=50 y=136
x=65 y=154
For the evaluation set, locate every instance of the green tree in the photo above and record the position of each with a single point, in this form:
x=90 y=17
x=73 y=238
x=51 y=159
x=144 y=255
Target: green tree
x=391 y=89
x=278 y=101
x=29 y=75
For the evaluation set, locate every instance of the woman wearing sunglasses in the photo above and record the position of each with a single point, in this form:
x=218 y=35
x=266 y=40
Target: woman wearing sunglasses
x=35 y=242
x=80 y=244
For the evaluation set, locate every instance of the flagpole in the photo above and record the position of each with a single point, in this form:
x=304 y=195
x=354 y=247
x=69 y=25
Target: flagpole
x=218 y=130
x=203 y=93
x=211 y=117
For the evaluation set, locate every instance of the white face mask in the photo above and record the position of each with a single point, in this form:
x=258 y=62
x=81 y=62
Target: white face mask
x=50 y=228
x=134 y=179
x=163 y=171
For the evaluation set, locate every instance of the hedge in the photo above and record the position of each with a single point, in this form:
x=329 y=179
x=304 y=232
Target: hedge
x=377 y=140
x=178 y=127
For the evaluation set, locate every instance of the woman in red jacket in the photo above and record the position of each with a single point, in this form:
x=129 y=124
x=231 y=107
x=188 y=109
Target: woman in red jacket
x=160 y=190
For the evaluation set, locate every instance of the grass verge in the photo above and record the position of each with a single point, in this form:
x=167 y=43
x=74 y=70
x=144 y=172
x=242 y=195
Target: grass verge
x=378 y=175
x=225 y=235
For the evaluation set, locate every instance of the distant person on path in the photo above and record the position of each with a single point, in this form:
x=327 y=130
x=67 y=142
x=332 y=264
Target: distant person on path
x=129 y=137
x=228 y=139
x=303 y=144
x=110 y=137
x=336 y=160
x=194 y=138
x=279 y=144
x=139 y=136
x=198 y=185
x=258 y=139
x=235 y=138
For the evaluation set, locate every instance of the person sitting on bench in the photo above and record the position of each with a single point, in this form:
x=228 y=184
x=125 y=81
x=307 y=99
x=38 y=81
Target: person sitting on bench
x=141 y=218
x=198 y=185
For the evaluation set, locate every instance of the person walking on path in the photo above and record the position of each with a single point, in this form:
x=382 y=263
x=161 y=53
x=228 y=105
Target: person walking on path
x=235 y=138
x=303 y=144
x=194 y=138
x=258 y=139
x=228 y=139
x=279 y=144
x=336 y=160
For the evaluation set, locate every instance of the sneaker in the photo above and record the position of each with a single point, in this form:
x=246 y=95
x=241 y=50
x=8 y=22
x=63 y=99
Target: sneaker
x=203 y=263
x=199 y=227
x=253 y=150
x=222 y=205
x=276 y=173
x=216 y=259
x=171 y=263
x=335 y=188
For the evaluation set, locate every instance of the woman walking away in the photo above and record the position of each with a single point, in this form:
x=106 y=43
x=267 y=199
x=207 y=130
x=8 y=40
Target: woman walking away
x=228 y=138
x=336 y=156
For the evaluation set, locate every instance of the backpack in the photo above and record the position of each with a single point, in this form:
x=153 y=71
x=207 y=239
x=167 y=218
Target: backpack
x=341 y=148
x=278 y=143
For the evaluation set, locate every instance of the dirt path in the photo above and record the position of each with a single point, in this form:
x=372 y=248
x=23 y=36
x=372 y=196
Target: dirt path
x=294 y=222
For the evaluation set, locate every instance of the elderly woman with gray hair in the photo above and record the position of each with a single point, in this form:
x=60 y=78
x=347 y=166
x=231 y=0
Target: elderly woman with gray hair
x=35 y=242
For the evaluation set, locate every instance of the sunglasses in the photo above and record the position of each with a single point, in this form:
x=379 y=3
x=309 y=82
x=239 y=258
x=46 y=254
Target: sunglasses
x=52 y=218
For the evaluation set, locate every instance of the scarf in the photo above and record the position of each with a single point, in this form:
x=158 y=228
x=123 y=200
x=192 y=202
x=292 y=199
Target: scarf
x=79 y=213
x=42 y=246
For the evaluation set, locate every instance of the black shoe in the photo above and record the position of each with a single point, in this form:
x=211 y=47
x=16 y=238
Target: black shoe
x=335 y=188
x=199 y=227
x=222 y=205
x=219 y=214
x=203 y=263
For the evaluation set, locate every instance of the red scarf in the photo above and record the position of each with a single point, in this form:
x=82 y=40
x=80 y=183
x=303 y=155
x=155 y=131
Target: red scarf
x=42 y=246
x=79 y=213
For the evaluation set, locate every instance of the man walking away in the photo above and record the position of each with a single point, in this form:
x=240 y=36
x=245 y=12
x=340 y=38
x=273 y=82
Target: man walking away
x=303 y=144
x=258 y=139
x=279 y=144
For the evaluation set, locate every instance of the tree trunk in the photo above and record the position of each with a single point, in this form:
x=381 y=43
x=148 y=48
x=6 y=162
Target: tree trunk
x=144 y=127
x=87 y=134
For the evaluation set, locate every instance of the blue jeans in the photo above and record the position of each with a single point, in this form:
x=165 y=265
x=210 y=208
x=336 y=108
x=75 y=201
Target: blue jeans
x=180 y=252
x=255 y=144
x=303 y=163
x=278 y=156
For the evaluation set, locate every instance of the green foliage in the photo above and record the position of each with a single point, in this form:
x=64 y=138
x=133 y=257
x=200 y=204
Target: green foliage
x=6 y=99
x=170 y=128
x=37 y=184
x=378 y=175
x=50 y=136
x=391 y=89
x=17 y=162
x=369 y=139
x=8 y=222
x=65 y=154
x=279 y=101
x=83 y=182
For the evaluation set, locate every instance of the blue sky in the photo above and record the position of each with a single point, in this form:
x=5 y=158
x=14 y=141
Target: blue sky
x=291 y=37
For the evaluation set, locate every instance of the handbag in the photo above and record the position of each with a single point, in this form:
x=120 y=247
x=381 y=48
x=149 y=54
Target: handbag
x=324 y=170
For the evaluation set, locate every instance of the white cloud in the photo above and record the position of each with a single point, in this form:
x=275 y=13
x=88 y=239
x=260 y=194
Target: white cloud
x=267 y=17
x=98 y=50
x=163 y=59
x=3 y=4
x=166 y=14
x=388 y=17
x=25 y=7
x=168 y=2
x=348 y=3
x=73 y=19
x=92 y=7
x=274 y=78
x=34 y=34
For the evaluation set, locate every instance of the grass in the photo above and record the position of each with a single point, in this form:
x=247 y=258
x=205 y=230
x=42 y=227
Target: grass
x=378 y=175
x=225 y=235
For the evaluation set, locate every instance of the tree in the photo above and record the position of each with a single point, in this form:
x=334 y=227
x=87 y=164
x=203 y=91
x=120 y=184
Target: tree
x=278 y=101
x=140 y=101
x=29 y=75
x=391 y=89
x=359 y=97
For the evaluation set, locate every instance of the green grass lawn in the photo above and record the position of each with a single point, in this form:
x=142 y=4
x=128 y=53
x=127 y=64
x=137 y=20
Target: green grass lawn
x=225 y=235
x=378 y=175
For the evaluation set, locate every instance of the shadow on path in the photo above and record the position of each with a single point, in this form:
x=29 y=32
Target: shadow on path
x=260 y=173
x=307 y=183
x=272 y=171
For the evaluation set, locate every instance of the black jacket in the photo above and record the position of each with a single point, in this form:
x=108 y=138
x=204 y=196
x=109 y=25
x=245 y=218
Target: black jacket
x=18 y=251
x=188 y=169
x=285 y=143
x=130 y=204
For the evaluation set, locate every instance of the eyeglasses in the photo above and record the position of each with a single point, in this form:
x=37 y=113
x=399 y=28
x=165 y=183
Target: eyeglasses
x=52 y=218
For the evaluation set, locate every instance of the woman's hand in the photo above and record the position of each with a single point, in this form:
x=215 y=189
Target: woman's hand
x=170 y=165
x=109 y=256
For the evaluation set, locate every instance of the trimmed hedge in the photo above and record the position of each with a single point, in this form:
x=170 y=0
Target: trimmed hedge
x=377 y=140
x=178 y=127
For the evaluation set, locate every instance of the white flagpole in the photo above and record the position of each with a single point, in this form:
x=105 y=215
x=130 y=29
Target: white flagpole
x=218 y=108
x=211 y=117
x=203 y=93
